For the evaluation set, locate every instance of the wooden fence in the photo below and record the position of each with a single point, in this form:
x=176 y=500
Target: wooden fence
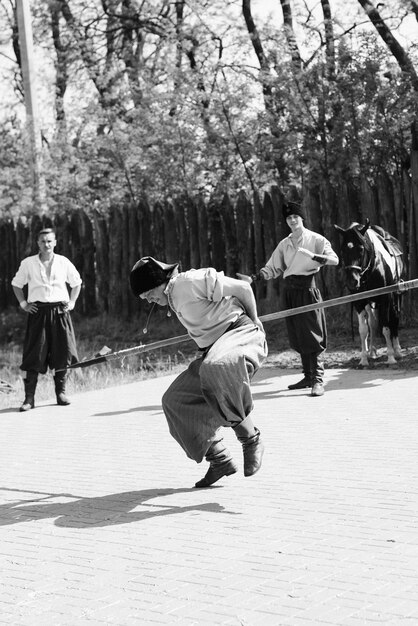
x=230 y=235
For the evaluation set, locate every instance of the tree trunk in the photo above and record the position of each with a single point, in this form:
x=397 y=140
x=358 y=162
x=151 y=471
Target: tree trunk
x=403 y=59
x=61 y=65
x=329 y=39
x=290 y=35
x=413 y=214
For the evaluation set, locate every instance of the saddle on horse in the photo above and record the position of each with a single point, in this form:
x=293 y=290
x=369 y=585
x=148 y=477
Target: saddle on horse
x=390 y=243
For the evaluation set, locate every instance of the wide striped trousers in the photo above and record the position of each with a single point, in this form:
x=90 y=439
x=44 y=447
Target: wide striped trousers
x=215 y=390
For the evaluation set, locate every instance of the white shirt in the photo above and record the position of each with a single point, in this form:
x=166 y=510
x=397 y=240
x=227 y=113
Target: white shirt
x=32 y=272
x=287 y=260
x=196 y=296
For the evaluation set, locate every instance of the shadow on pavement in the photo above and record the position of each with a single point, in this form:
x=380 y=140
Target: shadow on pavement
x=334 y=380
x=109 y=510
x=155 y=407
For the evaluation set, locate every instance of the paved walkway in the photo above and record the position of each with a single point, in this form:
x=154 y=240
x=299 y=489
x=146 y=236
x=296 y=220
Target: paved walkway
x=100 y=523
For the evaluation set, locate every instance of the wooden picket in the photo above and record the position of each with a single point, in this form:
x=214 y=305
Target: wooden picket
x=231 y=235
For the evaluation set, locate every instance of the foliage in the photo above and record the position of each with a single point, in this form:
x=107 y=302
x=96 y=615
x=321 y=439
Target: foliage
x=168 y=98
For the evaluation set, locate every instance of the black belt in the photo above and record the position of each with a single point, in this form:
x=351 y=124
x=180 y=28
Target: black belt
x=44 y=305
x=300 y=281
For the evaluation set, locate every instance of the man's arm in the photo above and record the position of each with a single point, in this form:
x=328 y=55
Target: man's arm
x=274 y=268
x=327 y=257
x=241 y=290
x=24 y=305
x=74 y=293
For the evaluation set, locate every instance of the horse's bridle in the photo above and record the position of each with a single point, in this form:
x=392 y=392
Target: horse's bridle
x=359 y=268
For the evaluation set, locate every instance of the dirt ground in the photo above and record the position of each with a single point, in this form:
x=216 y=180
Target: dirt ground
x=343 y=351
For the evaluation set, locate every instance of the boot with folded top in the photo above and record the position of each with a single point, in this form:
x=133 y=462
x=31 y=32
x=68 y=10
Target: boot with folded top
x=307 y=374
x=221 y=464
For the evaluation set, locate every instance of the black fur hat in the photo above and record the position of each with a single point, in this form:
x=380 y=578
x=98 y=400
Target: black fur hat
x=148 y=273
x=293 y=208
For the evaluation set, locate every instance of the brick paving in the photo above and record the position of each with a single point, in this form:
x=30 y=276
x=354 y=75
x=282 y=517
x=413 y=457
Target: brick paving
x=100 y=524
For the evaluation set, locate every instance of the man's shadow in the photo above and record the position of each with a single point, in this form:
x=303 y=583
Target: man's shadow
x=109 y=510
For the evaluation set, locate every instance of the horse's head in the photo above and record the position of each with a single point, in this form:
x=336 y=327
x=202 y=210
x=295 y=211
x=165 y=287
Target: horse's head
x=355 y=253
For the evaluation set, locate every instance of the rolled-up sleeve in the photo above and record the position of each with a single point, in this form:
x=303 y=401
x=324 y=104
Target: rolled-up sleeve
x=323 y=246
x=22 y=275
x=275 y=265
x=73 y=276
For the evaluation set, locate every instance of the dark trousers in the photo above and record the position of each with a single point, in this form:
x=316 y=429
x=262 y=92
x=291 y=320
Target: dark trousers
x=49 y=340
x=307 y=332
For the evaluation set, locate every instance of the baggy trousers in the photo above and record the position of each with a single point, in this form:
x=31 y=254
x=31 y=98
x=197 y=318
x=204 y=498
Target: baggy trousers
x=215 y=390
x=49 y=339
x=307 y=332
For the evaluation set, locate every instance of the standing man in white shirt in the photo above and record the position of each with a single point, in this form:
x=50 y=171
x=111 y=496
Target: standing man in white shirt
x=220 y=315
x=298 y=258
x=49 y=340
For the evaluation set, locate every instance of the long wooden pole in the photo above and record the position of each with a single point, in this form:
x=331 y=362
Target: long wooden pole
x=163 y=343
x=353 y=297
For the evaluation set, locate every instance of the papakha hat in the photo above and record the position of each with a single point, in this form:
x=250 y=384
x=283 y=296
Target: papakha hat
x=148 y=273
x=293 y=208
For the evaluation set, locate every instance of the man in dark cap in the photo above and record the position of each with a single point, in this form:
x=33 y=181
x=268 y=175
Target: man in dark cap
x=220 y=315
x=49 y=340
x=298 y=258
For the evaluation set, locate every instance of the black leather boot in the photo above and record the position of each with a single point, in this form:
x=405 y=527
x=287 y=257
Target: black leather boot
x=30 y=383
x=60 y=379
x=253 y=449
x=317 y=369
x=221 y=464
x=307 y=373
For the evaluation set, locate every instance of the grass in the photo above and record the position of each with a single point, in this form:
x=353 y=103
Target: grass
x=92 y=335
x=95 y=333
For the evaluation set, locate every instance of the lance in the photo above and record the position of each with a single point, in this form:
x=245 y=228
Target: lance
x=399 y=287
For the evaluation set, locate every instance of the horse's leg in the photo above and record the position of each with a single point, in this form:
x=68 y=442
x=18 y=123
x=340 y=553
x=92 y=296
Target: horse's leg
x=393 y=329
x=397 y=347
x=363 y=329
x=395 y=326
x=391 y=355
x=372 y=316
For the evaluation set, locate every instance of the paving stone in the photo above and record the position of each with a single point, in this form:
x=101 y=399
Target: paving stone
x=100 y=523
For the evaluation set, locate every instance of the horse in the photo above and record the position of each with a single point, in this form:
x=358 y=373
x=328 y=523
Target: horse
x=372 y=258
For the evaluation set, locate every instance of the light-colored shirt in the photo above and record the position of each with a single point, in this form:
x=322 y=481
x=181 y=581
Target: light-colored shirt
x=196 y=296
x=41 y=288
x=287 y=260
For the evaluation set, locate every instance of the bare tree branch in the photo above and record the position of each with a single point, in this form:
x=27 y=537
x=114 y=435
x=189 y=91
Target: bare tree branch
x=392 y=43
